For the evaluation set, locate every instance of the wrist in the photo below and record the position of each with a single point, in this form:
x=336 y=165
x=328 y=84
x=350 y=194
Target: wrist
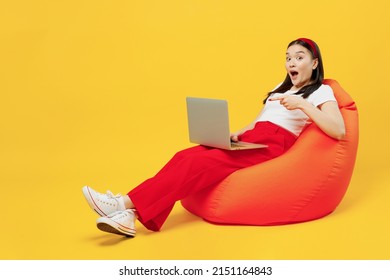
x=304 y=105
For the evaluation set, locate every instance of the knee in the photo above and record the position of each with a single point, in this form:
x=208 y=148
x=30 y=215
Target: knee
x=179 y=155
x=190 y=152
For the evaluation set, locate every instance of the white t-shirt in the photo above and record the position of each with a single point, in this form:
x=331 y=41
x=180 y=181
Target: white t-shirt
x=294 y=120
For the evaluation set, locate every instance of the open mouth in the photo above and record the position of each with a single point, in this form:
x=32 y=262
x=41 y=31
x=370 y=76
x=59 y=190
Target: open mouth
x=294 y=74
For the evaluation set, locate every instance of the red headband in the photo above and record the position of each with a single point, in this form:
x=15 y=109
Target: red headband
x=311 y=44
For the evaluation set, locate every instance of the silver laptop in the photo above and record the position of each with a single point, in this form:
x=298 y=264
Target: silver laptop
x=208 y=124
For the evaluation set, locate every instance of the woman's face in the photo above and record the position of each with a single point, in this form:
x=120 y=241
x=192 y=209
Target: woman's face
x=300 y=65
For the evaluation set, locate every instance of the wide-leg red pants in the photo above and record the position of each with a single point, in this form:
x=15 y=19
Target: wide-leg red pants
x=199 y=167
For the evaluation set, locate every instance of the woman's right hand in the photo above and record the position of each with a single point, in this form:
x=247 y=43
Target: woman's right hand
x=234 y=137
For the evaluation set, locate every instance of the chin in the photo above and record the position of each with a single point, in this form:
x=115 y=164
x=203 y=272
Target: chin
x=295 y=84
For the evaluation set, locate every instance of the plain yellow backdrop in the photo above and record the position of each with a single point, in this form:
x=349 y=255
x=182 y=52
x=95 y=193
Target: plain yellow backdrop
x=93 y=92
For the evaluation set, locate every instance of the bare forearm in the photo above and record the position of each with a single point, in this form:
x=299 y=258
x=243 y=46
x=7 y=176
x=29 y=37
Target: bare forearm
x=328 y=119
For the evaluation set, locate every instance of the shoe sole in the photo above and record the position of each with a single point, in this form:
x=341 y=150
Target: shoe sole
x=91 y=202
x=112 y=227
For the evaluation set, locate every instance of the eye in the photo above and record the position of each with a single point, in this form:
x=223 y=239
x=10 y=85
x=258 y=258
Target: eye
x=299 y=58
x=288 y=58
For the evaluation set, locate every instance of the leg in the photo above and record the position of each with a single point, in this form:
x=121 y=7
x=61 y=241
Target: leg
x=155 y=198
x=116 y=211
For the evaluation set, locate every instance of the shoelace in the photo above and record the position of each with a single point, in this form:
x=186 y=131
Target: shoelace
x=111 y=195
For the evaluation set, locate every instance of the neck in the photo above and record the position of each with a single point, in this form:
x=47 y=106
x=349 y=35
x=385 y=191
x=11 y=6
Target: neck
x=298 y=87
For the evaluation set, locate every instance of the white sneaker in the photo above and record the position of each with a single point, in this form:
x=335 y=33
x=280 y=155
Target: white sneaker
x=103 y=204
x=120 y=222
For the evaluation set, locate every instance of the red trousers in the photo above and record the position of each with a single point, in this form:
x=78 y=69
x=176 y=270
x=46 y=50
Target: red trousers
x=199 y=167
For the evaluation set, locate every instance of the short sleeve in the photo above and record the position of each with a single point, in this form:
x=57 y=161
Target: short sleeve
x=323 y=94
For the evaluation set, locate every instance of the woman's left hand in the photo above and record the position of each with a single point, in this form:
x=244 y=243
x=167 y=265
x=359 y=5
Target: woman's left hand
x=290 y=102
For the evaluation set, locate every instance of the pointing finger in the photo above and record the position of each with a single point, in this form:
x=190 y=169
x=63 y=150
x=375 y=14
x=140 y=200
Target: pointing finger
x=276 y=98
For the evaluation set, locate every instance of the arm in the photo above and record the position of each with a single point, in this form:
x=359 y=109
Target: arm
x=326 y=116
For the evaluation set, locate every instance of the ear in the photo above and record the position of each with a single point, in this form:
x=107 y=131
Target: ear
x=315 y=63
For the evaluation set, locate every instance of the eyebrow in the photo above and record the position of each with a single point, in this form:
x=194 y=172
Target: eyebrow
x=297 y=52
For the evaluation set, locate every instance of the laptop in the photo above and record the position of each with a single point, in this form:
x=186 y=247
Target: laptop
x=208 y=124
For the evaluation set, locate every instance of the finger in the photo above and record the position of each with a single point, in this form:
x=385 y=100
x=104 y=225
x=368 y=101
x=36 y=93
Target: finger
x=276 y=98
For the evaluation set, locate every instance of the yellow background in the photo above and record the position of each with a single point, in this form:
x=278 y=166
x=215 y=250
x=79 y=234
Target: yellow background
x=93 y=92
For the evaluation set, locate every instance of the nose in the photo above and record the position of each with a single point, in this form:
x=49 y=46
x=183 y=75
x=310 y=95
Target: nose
x=291 y=63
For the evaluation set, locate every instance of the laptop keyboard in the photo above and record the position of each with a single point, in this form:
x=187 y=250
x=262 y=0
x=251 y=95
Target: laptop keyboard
x=235 y=144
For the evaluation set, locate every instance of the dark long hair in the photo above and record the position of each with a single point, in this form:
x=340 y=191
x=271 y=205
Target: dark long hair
x=317 y=75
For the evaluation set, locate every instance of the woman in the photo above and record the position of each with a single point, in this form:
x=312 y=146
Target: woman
x=298 y=101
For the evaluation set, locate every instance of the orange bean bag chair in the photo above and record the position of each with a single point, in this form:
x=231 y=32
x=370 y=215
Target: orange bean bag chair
x=306 y=183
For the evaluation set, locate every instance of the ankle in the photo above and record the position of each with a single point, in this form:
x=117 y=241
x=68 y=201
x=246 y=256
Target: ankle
x=127 y=201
